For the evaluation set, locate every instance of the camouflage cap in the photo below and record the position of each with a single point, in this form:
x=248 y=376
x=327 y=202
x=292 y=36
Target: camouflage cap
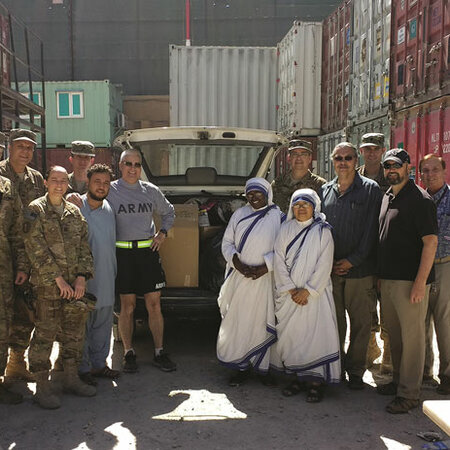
x=372 y=140
x=300 y=143
x=3 y=140
x=19 y=134
x=83 y=148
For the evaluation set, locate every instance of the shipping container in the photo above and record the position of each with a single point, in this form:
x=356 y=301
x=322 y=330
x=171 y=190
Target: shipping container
x=369 y=69
x=223 y=86
x=299 y=78
x=336 y=57
x=424 y=129
x=420 y=51
x=5 y=58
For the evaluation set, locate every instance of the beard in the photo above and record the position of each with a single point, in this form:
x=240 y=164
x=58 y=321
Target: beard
x=394 y=178
x=96 y=197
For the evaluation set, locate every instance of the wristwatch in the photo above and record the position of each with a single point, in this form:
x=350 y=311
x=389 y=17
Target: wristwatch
x=162 y=230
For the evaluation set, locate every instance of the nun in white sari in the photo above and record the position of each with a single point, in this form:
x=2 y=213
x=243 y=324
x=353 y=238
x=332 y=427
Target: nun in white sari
x=308 y=340
x=246 y=298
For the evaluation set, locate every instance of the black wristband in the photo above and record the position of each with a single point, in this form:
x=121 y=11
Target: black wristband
x=162 y=230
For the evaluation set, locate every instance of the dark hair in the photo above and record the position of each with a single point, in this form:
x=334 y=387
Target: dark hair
x=50 y=170
x=100 y=168
x=429 y=156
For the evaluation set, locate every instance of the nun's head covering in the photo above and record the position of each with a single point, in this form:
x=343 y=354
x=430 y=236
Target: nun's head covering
x=261 y=185
x=306 y=195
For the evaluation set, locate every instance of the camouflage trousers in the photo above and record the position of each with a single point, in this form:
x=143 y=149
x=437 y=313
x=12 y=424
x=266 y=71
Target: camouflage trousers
x=22 y=325
x=6 y=315
x=56 y=320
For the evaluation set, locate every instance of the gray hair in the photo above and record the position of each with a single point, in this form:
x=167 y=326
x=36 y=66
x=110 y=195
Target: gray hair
x=130 y=151
x=345 y=145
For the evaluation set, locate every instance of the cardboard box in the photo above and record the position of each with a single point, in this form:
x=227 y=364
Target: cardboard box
x=179 y=253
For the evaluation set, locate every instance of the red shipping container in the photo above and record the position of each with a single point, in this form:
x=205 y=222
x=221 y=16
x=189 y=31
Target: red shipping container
x=420 y=51
x=336 y=68
x=424 y=129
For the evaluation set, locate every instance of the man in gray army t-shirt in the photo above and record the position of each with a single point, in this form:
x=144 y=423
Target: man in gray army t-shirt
x=139 y=270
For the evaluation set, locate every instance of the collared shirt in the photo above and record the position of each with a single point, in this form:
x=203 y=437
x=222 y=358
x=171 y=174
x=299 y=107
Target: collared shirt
x=102 y=240
x=404 y=220
x=284 y=186
x=354 y=218
x=380 y=179
x=442 y=202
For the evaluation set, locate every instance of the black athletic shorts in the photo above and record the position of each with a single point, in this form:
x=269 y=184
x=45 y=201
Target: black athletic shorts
x=139 y=271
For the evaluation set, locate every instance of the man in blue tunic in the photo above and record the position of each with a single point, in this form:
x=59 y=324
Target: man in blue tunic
x=102 y=240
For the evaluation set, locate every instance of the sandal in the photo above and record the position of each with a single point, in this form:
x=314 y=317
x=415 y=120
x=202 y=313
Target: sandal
x=106 y=372
x=315 y=394
x=294 y=388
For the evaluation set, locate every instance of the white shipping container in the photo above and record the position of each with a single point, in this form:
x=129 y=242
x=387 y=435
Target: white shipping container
x=299 y=75
x=369 y=72
x=223 y=86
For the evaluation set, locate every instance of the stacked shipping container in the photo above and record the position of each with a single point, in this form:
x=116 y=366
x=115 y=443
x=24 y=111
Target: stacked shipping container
x=398 y=77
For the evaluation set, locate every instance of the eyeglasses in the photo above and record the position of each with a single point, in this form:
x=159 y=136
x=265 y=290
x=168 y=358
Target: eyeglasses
x=395 y=165
x=130 y=164
x=299 y=155
x=342 y=158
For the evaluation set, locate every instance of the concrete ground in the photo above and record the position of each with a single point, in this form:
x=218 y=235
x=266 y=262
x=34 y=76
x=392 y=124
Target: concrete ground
x=189 y=409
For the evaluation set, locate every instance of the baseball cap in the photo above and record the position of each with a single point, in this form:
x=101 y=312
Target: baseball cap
x=397 y=155
x=300 y=143
x=19 y=134
x=83 y=148
x=372 y=140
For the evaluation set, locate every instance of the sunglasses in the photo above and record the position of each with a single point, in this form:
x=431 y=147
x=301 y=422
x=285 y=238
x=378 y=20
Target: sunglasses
x=395 y=165
x=342 y=158
x=130 y=164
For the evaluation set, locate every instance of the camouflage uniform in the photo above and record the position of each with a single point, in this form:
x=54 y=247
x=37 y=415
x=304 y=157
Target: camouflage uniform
x=284 y=186
x=57 y=246
x=84 y=148
x=11 y=243
x=74 y=187
x=31 y=187
x=382 y=182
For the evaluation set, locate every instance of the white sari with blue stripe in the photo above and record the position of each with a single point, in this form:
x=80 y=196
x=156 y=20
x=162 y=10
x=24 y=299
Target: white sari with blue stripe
x=308 y=340
x=246 y=305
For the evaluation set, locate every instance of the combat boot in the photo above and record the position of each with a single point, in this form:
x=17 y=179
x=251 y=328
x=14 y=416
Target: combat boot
x=16 y=369
x=72 y=382
x=44 y=396
x=9 y=398
x=373 y=351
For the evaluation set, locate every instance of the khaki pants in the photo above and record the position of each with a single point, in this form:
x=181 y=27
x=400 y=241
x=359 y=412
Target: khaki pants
x=356 y=296
x=405 y=323
x=439 y=311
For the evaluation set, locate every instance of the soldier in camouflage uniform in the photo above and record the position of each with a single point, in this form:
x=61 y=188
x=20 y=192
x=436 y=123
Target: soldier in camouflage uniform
x=372 y=149
x=298 y=177
x=29 y=184
x=82 y=157
x=10 y=243
x=56 y=241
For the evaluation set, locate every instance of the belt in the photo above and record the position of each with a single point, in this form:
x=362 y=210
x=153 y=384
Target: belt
x=134 y=244
x=442 y=260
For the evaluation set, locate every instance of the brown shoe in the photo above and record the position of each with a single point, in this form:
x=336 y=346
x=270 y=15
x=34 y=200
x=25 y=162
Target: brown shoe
x=16 y=369
x=401 y=405
x=106 y=372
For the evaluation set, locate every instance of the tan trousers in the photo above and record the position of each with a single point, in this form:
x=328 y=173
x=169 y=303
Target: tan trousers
x=354 y=295
x=439 y=311
x=405 y=323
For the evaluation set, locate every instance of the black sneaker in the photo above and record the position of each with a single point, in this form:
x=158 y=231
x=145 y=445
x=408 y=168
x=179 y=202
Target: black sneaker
x=87 y=378
x=129 y=362
x=163 y=362
x=355 y=383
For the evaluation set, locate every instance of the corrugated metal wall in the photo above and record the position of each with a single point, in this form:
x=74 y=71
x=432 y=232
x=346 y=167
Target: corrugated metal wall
x=223 y=86
x=127 y=41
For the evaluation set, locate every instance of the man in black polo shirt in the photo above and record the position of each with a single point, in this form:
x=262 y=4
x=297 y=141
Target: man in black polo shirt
x=408 y=241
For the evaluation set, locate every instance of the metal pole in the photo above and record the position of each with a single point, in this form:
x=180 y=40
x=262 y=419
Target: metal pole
x=188 y=23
